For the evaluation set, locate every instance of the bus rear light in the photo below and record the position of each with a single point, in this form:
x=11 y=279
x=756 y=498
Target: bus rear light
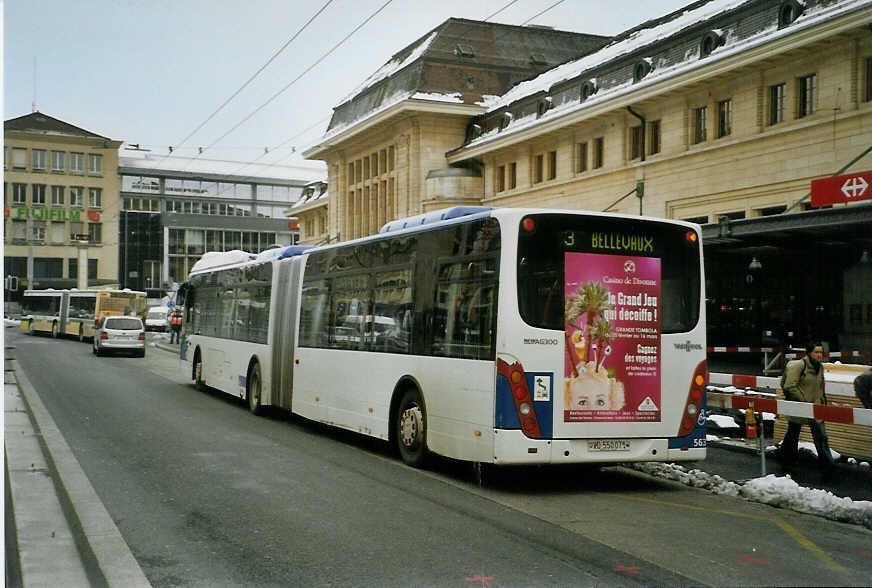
x=691 y=236
x=694 y=400
x=528 y=224
x=521 y=395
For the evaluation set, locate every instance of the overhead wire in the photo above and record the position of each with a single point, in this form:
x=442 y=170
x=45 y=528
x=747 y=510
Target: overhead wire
x=296 y=79
x=535 y=16
x=253 y=76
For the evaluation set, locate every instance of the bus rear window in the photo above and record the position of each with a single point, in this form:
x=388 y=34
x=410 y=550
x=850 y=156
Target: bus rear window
x=546 y=240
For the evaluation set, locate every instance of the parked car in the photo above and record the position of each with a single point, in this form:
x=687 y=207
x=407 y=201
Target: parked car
x=120 y=333
x=157 y=319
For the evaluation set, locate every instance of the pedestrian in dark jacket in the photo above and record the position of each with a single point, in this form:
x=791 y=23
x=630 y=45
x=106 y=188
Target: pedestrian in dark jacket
x=863 y=388
x=804 y=382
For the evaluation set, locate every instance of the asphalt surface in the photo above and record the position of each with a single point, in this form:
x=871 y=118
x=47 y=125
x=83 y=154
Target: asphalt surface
x=87 y=540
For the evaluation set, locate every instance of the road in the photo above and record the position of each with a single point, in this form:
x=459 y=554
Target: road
x=206 y=494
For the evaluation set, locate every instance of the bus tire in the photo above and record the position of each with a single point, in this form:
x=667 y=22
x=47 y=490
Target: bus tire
x=30 y=327
x=54 y=330
x=410 y=421
x=197 y=372
x=253 y=389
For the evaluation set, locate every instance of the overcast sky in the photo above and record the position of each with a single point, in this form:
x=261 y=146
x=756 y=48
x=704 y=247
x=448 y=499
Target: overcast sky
x=151 y=71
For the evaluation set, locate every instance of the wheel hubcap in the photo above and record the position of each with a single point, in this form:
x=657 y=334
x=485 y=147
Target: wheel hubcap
x=411 y=427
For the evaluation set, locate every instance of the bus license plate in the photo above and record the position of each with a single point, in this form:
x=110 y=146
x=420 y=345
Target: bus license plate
x=608 y=445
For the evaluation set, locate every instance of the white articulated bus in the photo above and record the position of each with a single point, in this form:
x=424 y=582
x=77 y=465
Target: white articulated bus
x=502 y=336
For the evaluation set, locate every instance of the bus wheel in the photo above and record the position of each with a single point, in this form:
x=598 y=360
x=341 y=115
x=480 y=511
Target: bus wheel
x=253 y=390
x=197 y=376
x=54 y=330
x=30 y=328
x=411 y=423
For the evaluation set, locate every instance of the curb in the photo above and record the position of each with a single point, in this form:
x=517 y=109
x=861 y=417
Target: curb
x=111 y=552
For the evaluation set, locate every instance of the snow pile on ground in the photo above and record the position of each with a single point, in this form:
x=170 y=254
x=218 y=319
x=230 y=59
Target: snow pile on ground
x=695 y=478
x=779 y=491
x=722 y=421
x=785 y=493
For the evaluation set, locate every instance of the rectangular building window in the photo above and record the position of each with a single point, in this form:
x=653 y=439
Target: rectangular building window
x=580 y=157
x=77 y=196
x=39 y=231
x=807 y=95
x=95 y=197
x=776 y=103
x=95 y=232
x=37 y=159
x=552 y=165
x=37 y=194
x=58 y=161
x=19 y=194
x=366 y=168
x=95 y=164
x=56 y=234
x=636 y=142
x=699 y=124
x=351 y=173
x=513 y=175
x=374 y=164
x=391 y=158
x=57 y=195
x=869 y=79
x=19 y=158
x=538 y=168
x=654 y=137
x=598 y=152
x=725 y=118
x=501 y=179
x=77 y=163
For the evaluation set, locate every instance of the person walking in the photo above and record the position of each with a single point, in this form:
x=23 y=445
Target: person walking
x=804 y=382
x=863 y=388
x=176 y=327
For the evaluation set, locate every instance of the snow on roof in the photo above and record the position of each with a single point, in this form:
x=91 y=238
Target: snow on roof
x=393 y=100
x=392 y=66
x=640 y=38
x=301 y=170
x=215 y=259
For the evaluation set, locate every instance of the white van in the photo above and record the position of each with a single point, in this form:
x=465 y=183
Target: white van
x=157 y=319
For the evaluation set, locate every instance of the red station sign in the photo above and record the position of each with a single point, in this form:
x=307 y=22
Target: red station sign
x=841 y=189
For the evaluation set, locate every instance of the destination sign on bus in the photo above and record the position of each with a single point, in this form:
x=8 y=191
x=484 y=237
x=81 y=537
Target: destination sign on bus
x=610 y=242
x=612 y=333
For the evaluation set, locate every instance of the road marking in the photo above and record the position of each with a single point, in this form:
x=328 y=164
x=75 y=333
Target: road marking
x=803 y=541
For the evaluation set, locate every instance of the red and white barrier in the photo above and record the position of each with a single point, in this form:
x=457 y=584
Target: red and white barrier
x=740 y=349
x=822 y=412
x=830 y=354
x=746 y=381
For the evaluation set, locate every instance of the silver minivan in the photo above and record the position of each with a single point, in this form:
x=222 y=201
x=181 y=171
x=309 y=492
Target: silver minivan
x=120 y=333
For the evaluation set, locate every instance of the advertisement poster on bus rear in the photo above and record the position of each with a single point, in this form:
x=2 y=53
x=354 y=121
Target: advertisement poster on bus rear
x=612 y=350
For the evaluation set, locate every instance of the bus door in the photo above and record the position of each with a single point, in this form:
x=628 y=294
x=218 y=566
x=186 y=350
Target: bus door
x=285 y=296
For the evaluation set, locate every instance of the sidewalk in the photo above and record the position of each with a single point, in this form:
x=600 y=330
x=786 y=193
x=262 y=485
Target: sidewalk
x=57 y=531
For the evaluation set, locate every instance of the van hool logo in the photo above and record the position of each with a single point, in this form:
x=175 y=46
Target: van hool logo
x=540 y=341
x=688 y=346
x=630 y=266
